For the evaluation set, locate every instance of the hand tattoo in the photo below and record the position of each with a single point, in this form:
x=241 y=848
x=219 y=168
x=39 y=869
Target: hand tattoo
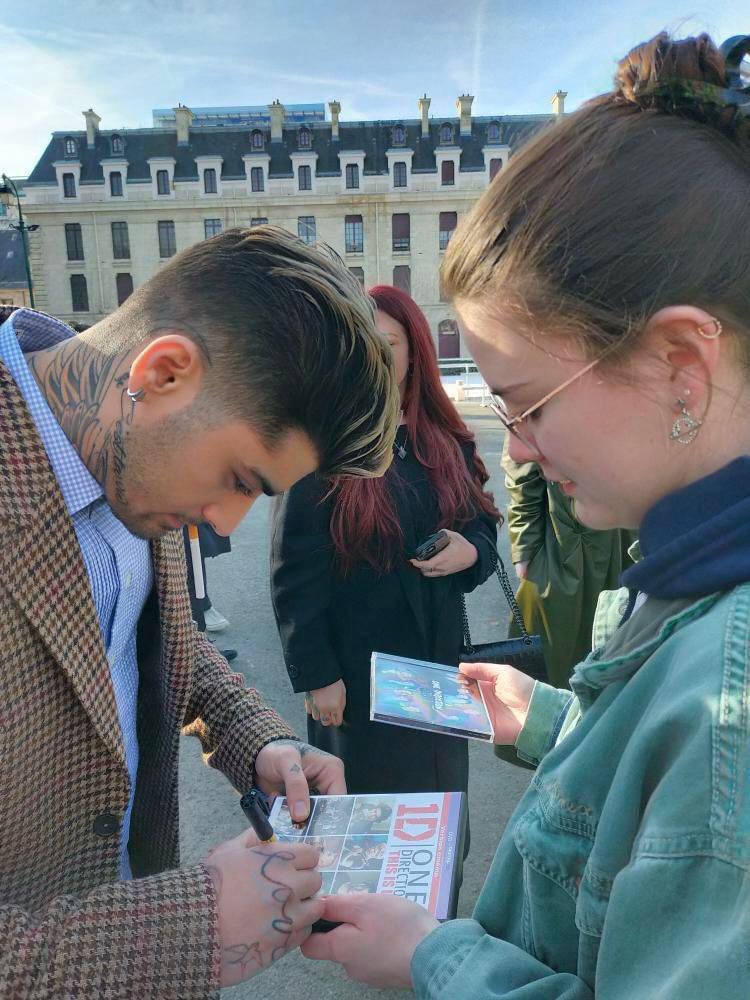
x=302 y=748
x=247 y=956
x=282 y=924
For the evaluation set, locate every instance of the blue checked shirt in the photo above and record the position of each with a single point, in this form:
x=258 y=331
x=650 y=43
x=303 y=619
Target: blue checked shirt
x=118 y=563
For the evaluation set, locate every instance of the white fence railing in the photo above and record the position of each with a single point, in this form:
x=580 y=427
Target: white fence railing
x=462 y=381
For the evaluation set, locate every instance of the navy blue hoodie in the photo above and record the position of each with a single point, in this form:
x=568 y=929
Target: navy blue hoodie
x=696 y=541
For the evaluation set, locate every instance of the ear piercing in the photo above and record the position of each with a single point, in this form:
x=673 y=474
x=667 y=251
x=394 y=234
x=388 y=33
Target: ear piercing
x=686 y=426
x=137 y=396
x=716 y=332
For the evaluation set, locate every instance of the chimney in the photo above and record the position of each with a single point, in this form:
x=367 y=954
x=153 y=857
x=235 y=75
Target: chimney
x=464 y=109
x=558 y=102
x=183 y=116
x=92 y=127
x=276 y=110
x=424 y=106
x=335 y=108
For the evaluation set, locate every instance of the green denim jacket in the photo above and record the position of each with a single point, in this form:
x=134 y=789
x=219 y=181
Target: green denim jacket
x=624 y=872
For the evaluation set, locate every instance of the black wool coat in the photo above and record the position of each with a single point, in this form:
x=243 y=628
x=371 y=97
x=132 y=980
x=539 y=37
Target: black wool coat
x=329 y=625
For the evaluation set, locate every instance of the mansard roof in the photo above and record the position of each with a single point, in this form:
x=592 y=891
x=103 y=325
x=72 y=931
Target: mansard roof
x=232 y=143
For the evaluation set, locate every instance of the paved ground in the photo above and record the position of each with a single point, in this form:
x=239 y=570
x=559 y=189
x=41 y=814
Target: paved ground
x=238 y=584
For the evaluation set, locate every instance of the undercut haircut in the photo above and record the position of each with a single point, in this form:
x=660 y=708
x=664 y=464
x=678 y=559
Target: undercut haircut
x=289 y=341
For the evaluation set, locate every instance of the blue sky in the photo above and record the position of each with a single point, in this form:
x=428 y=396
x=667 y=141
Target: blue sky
x=124 y=58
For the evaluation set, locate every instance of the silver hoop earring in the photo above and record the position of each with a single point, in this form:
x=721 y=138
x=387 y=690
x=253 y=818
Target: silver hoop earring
x=686 y=426
x=717 y=332
x=137 y=396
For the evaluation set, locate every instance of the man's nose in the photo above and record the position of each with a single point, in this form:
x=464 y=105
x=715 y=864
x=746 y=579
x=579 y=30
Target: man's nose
x=226 y=516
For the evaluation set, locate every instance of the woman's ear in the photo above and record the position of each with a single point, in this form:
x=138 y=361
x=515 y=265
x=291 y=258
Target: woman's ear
x=684 y=343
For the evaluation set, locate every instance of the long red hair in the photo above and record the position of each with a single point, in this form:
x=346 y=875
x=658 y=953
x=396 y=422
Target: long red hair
x=364 y=523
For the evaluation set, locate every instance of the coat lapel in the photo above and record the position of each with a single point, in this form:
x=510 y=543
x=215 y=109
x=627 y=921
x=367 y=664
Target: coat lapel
x=42 y=566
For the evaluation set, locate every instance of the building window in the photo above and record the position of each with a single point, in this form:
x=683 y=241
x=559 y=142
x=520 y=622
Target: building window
x=258 y=220
x=71 y=146
x=304 y=177
x=209 y=181
x=446 y=132
x=74 y=240
x=117 y=146
x=115 y=184
x=353 y=234
x=399 y=175
x=162 y=182
x=120 y=241
x=399 y=135
x=449 y=340
x=495 y=166
x=448 y=222
x=79 y=293
x=256 y=178
x=493 y=132
x=359 y=274
x=167 y=241
x=256 y=139
x=306 y=228
x=124 y=284
x=69 y=186
x=401 y=231
x=211 y=227
x=304 y=138
x=402 y=278
x=352 y=176
x=447 y=172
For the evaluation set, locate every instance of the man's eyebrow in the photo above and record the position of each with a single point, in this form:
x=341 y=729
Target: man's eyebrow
x=268 y=488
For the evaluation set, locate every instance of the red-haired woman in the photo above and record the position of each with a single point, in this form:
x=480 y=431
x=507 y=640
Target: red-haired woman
x=344 y=582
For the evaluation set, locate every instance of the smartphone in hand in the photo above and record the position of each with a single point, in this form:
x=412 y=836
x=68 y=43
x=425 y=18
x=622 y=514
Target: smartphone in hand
x=431 y=546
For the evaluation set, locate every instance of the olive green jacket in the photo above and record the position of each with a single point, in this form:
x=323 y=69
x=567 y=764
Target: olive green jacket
x=569 y=566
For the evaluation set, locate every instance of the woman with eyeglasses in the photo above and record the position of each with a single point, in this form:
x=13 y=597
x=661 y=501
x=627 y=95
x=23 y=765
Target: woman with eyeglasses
x=603 y=286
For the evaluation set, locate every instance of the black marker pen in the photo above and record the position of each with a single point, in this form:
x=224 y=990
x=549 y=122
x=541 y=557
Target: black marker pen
x=255 y=809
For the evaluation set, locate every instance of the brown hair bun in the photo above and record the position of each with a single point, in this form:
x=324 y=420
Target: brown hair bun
x=685 y=77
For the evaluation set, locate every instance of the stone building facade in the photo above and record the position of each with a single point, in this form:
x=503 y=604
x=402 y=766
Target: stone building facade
x=112 y=206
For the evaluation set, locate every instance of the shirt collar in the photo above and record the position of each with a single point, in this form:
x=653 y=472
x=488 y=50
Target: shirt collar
x=25 y=331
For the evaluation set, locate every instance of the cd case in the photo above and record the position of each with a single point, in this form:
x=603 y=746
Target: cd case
x=400 y=844
x=429 y=696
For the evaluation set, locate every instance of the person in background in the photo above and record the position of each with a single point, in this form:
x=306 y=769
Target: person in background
x=202 y=391
x=344 y=581
x=563 y=566
x=205 y=616
x=603 y=286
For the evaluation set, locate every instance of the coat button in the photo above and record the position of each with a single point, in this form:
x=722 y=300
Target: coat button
x=106 y=825
x=292 y=670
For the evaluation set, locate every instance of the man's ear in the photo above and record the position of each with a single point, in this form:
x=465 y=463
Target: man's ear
x=684 y=341
x=170 y=370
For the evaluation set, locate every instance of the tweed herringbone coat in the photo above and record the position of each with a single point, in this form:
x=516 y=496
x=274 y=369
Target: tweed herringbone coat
x=68 y=928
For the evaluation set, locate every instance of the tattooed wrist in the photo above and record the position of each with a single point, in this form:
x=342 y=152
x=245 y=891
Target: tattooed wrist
x=301 y=747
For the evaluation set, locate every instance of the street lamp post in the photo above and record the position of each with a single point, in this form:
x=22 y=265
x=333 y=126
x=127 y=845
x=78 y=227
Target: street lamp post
x=8 y=190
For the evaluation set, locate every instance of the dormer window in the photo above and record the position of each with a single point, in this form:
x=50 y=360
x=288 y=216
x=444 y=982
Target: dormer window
x=399 y=135
x=304 y=138
x=493 y=132
x=71 y=146
x=256 y=139
x=117 y=145
x=446 y=132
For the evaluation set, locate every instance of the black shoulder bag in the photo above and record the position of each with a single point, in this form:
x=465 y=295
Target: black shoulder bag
x=524 y=653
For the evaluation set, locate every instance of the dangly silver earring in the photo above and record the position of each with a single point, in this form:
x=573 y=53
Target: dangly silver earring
x=686 y=426
x=137 y=396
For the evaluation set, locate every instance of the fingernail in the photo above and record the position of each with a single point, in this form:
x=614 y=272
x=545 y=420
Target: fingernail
x=300 y=812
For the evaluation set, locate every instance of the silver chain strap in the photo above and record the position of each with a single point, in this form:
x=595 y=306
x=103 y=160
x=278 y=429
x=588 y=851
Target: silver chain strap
x=510 y=596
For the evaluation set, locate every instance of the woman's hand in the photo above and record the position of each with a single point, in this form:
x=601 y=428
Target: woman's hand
x=522 y=569
x=507 y=693
x=376 y=940
x=326 y=705
x=459 y=554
